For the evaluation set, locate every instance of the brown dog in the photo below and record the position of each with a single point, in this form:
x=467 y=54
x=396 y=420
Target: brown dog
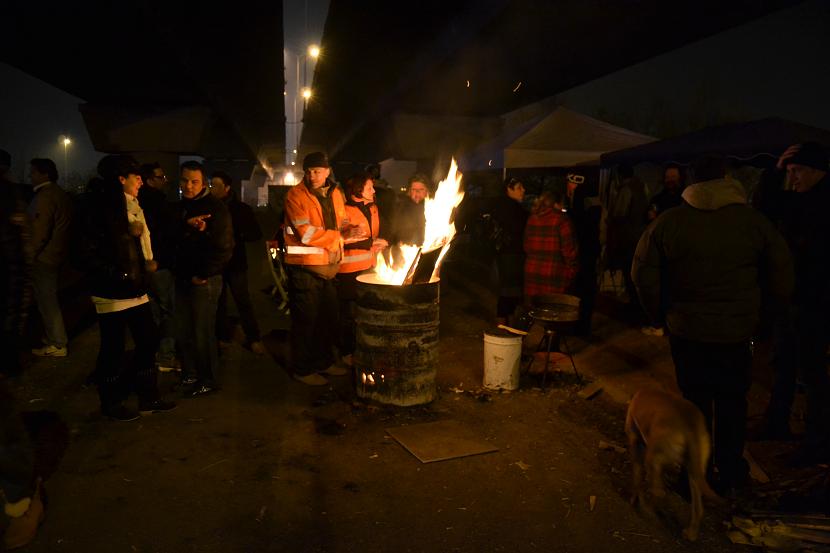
x=662 y=430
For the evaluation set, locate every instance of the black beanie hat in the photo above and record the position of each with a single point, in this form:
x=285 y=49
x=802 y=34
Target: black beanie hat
x=315 y=159
x=810 y=154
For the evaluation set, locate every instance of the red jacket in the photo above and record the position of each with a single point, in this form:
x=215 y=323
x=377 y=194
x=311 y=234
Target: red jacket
x=551 y=248
x=307 y=241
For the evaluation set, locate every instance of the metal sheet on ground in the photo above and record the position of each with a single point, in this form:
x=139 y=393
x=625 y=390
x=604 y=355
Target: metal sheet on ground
x=440 y=441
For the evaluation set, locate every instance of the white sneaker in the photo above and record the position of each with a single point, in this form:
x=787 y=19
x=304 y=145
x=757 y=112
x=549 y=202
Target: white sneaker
x=50 y=351
x=313 y=379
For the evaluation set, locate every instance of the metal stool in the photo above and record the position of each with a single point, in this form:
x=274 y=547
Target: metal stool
x=558 y=313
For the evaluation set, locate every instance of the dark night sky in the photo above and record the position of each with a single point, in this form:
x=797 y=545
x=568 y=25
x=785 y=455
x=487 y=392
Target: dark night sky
x=34 y=115
x=775 y=66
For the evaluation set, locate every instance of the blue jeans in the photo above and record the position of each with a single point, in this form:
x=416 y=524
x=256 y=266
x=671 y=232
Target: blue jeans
x=163 y=302
x=196 y=319
x=45 y=284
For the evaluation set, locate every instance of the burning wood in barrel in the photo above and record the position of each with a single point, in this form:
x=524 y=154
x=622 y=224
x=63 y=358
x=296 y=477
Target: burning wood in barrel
x=397 y=310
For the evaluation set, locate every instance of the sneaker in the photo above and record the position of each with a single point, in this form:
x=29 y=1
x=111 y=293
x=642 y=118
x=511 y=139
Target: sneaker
x=50 y=351
x=258 y=347
x=168 y=365
x=335 y=370
x=23 y=529
x=202 y=390
x=120 y=413
x=652 y=331
x=155 y=406
x=313 y=379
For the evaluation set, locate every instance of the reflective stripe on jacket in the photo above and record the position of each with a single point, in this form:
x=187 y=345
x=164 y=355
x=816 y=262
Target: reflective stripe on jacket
x=357 y=256
x=307 y=241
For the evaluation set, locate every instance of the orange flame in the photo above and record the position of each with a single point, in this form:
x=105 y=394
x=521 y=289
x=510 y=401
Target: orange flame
x=438 y=233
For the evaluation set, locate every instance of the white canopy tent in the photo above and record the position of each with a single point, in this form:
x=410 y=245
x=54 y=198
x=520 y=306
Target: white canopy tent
x=557 y=138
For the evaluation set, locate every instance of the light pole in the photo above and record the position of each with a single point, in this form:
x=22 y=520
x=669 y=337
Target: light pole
x=313 y=52
x=66 y=142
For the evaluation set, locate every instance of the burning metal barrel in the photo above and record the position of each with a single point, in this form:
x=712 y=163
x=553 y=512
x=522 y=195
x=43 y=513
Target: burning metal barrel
x=396 y=355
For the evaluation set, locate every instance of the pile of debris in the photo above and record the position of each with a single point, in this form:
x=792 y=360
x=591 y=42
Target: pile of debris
x=794 y=518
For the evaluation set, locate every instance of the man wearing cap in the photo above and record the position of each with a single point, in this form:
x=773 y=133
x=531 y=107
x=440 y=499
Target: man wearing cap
x=802 y=342
x=314 y=213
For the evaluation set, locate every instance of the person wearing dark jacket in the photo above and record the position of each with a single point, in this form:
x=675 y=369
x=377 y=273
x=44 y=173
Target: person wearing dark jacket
x=509 y=220
x=161 y=221
x=801 y=338
x=670 y=195
x=701 y=267
x=119 y=258
x=410 y=220
x=51 y=215
x=15 y=268
x=235 y=277
x=204 y=246
x=626 y=221
x=585 y=210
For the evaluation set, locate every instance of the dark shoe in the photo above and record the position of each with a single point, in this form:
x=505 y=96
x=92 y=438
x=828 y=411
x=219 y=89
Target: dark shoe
x=23 y=529
x=189 y=381
x=156 y=406
x=119 y=413
x=201 y=390
x=334 y=370
x=313 y=379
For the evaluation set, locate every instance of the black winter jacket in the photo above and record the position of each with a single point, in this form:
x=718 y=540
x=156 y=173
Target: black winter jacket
x=206 y=253
x=703 y=265
x=245 y=229
x=160 y=217
x=112 y=257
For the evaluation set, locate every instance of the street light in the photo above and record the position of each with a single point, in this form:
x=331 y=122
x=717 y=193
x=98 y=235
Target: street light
x=301 y=88
x=66 y=142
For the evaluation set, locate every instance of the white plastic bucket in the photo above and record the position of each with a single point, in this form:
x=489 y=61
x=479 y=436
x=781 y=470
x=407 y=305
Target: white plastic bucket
x=502 y=354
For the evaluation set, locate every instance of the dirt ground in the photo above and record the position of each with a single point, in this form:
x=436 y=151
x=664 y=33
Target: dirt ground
x=269 y=464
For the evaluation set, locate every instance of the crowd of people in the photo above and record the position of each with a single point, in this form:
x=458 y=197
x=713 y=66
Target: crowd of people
x=699 y=262
x=704 y=266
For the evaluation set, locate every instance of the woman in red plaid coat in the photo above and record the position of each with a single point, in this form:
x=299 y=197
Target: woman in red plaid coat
x=551 y=248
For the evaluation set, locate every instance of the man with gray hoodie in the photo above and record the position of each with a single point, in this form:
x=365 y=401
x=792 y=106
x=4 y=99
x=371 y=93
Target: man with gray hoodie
x=701 y=267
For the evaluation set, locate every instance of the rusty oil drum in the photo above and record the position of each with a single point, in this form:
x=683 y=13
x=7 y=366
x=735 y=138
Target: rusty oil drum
x=396 y=354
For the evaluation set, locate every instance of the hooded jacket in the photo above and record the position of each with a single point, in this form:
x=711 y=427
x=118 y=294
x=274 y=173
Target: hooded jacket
x=702 y=266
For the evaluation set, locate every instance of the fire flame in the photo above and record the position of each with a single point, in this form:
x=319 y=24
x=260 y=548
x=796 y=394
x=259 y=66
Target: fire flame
x=438 y=233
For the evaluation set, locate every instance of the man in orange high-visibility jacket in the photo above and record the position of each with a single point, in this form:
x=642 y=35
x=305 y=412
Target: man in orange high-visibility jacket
x=314 y=211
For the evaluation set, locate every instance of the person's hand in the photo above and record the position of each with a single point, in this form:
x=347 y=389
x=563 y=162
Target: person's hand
x=379 y=244
x=354 y=233
x=788 y=153
x=198 y=281
x=136 y=228
x=151 y=266
x=198 y=222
